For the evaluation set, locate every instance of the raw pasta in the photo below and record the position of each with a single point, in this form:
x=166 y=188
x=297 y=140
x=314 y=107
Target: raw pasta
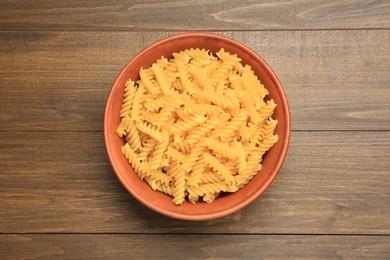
x=196 y=125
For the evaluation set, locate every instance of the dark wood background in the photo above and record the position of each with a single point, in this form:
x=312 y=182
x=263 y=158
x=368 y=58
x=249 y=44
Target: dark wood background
x=60 y=198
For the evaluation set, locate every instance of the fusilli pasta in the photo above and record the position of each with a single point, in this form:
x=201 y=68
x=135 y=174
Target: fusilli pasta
x=196 y=125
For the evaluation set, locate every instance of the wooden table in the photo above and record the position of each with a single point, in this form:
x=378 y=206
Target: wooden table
x=59 y=196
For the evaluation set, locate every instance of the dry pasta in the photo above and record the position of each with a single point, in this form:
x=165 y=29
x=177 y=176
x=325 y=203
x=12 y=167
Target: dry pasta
x=196 y=125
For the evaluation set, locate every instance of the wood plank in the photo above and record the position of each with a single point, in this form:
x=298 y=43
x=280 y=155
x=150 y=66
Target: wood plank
x=335 y=80
x=331 y=183
x=136 y=246
x=192 y=15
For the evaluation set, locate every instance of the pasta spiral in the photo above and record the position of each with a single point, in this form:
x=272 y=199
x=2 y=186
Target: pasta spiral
x=214 y=163
x=179 y=191
x=149 y=81
x=201 y=130
x=236 y=122
x=131 y=155
x=150 y=130
x=132 y=135
x=196 y=174
x=221 y=148
x=188 y=123
x=129 y=95
x=157 y=156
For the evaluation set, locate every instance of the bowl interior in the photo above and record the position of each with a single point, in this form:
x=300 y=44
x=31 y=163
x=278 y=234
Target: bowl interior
x=226 y=203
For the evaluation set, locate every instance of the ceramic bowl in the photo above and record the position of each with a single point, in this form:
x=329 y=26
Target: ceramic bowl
x=226 y=203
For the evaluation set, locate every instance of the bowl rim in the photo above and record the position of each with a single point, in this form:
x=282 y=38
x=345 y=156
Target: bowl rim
x=276 y=168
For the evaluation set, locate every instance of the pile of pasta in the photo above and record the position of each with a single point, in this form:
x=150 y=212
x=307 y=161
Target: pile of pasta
x=196 y=125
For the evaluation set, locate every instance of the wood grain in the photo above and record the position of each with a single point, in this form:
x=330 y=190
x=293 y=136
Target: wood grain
x=193 y=15
x=331 y=183
x=59 y=81
x=135 y=246
x=59 y=197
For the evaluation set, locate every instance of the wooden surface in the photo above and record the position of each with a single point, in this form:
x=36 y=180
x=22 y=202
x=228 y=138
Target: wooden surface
x=193 y=15
x=59 y=197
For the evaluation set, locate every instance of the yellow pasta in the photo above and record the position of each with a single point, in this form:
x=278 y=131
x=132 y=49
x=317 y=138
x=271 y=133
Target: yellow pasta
x=196 y=125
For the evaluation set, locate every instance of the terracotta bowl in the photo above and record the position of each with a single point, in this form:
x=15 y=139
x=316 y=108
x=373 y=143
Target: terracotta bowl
x=226 y=203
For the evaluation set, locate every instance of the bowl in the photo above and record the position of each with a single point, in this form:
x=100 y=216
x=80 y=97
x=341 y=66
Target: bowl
x=228 y=202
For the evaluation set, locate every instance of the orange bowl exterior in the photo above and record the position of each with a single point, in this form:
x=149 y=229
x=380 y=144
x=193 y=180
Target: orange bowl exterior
x=226 y=203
